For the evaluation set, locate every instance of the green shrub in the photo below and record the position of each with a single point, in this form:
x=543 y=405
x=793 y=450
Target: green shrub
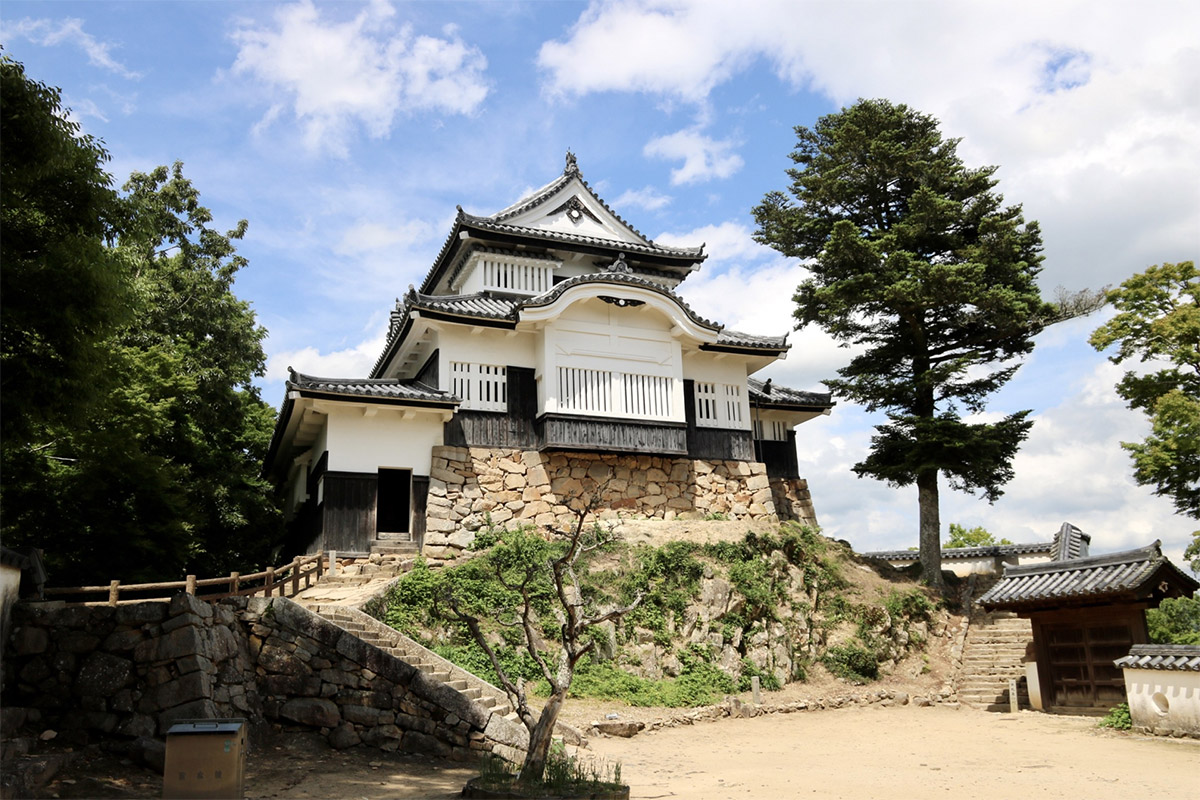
x=1117 y=718
x=852 y=662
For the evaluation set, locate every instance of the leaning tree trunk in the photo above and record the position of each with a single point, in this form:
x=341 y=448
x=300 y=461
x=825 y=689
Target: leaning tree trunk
x=931 y=528
x=540 y=738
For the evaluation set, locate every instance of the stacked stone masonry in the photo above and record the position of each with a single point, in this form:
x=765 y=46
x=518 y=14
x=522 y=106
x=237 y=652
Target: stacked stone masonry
x=469 y=486
x=134 y=670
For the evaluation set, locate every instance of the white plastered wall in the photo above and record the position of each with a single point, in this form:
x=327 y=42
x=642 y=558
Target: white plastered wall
x=1166 y=700
x=592 y=334
x=368 y=437
x=482 y=346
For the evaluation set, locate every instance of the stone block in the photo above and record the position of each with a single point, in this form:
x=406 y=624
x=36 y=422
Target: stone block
x=274 y=659
x=123 y=639
x=424 y=744
x=448 y=477
x=137 y=725
x=756 y=482
x=77 y=642
x=507 y=733
x=184 y=689
x=28 y=640
x=182 y=621
x=367 y=716
x=184 y=603
x=314 y=711
x=197 y=709
x=343 y=737
x=141 y=613
x=175 y=645
x=103 y=674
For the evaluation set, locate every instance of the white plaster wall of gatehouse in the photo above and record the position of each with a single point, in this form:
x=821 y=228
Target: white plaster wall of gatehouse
x=593 y=335
x=1164 y=700
x=366 y=437
x=480 y=345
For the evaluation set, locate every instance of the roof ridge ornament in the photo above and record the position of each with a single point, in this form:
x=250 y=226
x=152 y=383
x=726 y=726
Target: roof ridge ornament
x=619 y=265
x=572 y=166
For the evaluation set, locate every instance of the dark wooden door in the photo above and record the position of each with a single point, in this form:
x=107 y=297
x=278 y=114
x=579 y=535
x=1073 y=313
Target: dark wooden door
x=1081 y=659
x=394 y=501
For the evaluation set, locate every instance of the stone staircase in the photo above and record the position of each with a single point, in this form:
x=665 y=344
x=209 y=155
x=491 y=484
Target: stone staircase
x=992 y=655
x=394 y=643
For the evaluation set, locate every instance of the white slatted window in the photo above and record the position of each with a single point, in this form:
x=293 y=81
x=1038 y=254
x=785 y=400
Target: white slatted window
x=516 y=278
x=586 y=391
x=733 y=404
x=481 y=387
x=647 y=395
x=706 y=405
x=595 y=391
x=772 y=430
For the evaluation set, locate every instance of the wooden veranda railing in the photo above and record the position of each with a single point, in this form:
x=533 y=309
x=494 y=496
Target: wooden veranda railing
x=285 y=581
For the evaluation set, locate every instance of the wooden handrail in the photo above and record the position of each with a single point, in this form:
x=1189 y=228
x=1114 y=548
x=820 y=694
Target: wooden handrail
x=287 y=579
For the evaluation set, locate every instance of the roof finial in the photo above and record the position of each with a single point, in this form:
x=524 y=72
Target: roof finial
x=619 y=265
x=572 y=167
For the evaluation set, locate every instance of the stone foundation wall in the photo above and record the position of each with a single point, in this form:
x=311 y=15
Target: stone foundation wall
x=469 y=485
x=793 y=501
x=134 y=670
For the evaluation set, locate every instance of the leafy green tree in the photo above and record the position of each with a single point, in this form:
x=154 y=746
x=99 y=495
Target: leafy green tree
x=1192 y=553
x=1175 y=621
x=970 y=537
x=63 y=289
x=1158 y=320
x=917 y=263
x=521 y=579
x=147 y=466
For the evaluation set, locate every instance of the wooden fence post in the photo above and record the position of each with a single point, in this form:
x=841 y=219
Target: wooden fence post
x=320 y=565
x=191 y=585
x=295 y=576
x=114 y=592
x=270 y=581
x=235 y=582
x=333 y=568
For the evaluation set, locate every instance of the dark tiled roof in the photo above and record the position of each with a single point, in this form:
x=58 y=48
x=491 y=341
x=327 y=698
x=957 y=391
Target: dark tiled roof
x=648 y=247
x=1162 y=656
x=384 y=388
x=1129 y=575
x=468 y=305
x=617 y=279
x=952 y=553
x=738 y=339
x=782 y=396
x=1070 y=542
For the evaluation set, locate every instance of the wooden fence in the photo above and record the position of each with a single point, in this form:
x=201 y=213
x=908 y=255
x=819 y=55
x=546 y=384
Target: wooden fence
x=285 y=581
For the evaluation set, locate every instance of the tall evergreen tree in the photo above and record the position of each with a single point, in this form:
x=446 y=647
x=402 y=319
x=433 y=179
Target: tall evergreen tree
x=917 y=263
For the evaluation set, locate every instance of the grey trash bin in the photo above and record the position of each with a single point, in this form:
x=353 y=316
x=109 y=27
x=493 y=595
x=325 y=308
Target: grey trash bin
x=206 y=758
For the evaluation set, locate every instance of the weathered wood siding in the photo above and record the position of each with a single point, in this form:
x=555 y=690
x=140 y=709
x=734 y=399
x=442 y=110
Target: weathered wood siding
x=420 y=502
x=514 y=428
x=780 y=457
x=712 y=444
x=592 y=433
x=349 y=511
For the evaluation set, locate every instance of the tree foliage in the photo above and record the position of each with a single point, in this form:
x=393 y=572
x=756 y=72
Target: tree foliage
x=971 y=537
x=149 y=468
x=63 y=289
x=521 y=579
x=1175 y=621
x=1158 y=320
x=917 y=263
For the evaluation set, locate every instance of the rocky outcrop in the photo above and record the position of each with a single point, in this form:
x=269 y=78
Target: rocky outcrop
x=470 y=486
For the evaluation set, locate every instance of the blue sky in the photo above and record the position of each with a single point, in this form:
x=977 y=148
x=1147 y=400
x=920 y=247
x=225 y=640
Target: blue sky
x=346 y=133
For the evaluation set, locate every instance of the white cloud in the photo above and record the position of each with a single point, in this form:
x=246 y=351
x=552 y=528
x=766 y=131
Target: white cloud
x=647 y=198
x=703 y=158
x=352 y=362
x=49 y=33
x=1092 y=108
x=366 y=237
x=338 y=76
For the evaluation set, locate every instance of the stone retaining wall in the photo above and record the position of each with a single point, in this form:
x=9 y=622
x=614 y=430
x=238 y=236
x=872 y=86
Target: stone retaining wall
x=133 y=670
x=467 y=486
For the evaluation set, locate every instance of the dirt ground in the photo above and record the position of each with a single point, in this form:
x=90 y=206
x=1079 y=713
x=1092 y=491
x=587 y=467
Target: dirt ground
x=860 y=752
